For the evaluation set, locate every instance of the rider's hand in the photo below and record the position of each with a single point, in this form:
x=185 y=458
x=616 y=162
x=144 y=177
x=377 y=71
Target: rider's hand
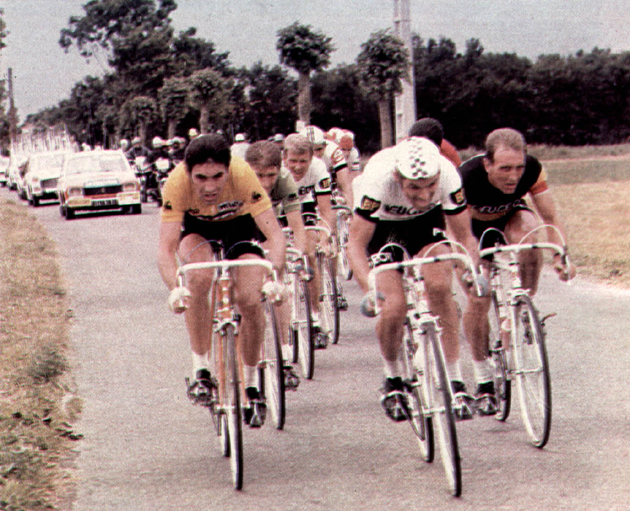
x=367 y=306
x=276 y=292
x=179 y=299
x=565 y=270
x=477 y=285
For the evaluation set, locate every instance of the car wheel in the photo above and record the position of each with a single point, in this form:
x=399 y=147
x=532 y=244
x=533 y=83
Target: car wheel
x=70 y=214
x=136 y=209
x=34 y=201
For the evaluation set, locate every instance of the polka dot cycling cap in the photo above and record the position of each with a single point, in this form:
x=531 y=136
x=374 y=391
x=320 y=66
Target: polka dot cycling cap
x=417 y=158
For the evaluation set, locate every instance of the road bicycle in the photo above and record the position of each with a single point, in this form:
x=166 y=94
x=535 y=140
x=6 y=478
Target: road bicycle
x=517 y=337
x=296 y=279
x=343 y=214
x=329 y=297
x=426 y=382
x=226 y=361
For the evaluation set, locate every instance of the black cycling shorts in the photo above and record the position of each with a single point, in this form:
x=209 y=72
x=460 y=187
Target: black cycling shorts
x=309 y=213
x=414 y=235
x=238 y=236
x=493 y=238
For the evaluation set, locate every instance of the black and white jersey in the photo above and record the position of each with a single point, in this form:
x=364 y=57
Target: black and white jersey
x=378 y=195
x=315 y=182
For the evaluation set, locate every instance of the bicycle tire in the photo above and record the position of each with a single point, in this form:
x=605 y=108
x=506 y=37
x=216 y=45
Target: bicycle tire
x=421 y=422
x=233 y=408
x=302 y=329
x=502 y=377
x=531 y=370
x=439 y=399
x=343 y=265
x=271 y=375
x=329 y=298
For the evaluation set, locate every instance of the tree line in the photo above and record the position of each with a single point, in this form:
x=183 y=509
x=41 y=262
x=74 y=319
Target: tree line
x=162 y=83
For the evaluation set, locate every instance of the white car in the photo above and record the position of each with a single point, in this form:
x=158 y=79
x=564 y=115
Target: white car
x=97 y=180
x=41 y=175
x=15 y=173
x=4 y=170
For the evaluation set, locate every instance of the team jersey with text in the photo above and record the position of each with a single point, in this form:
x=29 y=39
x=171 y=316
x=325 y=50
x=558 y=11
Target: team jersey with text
x=315 y=182
x=378 y=195
x=243 y=194
x=482 y=197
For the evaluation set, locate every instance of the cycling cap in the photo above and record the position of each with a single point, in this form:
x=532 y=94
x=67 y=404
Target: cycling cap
x=135 y=141
x=192 y=133
x=278 y=137
x=314 y=134
x=417 y=158
x=239 y=137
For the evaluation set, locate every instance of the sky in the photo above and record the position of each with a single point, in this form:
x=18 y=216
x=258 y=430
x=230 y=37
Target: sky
x=43 y=74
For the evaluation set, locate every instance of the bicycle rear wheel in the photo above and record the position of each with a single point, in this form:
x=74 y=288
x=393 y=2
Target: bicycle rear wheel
x=532 y=372
x=421 y=422
x=502 y=377
x=233 y=408
x=272 y=368
x=343 y=265
x=438 y=397
x=302 y=328
x=329 y=299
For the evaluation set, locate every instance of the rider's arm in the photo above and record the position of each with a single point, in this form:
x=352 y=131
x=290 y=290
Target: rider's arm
x=547 y=209
x=360 y=233
x=460 y=225
x=268 y=224
x=344 y=180
x=294 y=219
x=167 y=250
x=324 y=204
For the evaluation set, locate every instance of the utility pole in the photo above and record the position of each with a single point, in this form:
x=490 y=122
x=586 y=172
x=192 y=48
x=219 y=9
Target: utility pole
x=12 y=111
x=405 y=102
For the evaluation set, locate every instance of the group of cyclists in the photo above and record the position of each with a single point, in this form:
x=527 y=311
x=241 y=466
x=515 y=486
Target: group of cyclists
x=414 y=194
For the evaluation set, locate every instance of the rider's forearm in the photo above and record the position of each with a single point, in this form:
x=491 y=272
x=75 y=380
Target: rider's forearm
x=168 y=269
x=360 y=266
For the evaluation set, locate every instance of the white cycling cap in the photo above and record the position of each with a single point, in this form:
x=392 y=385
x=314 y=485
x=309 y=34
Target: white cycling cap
x=239 y=137
x=417 y=158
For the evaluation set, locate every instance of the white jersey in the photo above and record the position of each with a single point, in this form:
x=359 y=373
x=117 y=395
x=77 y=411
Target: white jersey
x=378 y=195
x=316 y=181
x=333 y=158
x=239 y=149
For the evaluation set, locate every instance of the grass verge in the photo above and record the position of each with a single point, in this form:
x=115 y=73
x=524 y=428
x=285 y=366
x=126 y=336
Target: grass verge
x=37 y=405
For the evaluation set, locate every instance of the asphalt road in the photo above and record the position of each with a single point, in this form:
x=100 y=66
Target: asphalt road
x=147 y=448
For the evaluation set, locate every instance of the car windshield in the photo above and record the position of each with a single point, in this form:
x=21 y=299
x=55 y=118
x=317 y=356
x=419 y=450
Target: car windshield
x=48 y=161
x=96 y=163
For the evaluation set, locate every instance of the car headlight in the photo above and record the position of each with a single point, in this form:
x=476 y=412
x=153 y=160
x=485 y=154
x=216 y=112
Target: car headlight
x=74 y=192
x=130 y=187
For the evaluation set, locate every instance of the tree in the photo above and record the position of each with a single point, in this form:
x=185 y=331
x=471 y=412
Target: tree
x=139 y=112
x=383 y=63
x=270 y=96
x=136 y=34
x=209 y=92
x=193 y=53
x=174 y=102
x=305 y=51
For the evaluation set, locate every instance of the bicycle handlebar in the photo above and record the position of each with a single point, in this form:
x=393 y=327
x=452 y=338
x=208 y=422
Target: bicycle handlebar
x=418 y=262
x=519 y=247
x=223 y=264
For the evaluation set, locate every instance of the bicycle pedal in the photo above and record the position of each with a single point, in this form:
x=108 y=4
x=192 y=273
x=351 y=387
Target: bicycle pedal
x=342 y=304
x=291 y=380
x=395 y=406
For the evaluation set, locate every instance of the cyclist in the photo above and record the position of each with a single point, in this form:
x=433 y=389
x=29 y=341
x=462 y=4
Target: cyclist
x=314 y=189
x=406 y=195
x=212 y=196
x=240 y=145
x=331 y=154
x=496 y=184
x=265 y=159
x=137 y=149
x=345 y=140
x=433 y=130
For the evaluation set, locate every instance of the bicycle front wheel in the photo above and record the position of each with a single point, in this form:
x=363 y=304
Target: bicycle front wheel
x=439 y=399
x=532 y=372
x=502 y=377
x=233 y=408
x=421 y=422
x=302 y=328
x=343 y=265
x=329 y=299
x=272 y=370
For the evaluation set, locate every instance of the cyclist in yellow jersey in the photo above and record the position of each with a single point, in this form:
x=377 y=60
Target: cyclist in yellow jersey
x=212 y=196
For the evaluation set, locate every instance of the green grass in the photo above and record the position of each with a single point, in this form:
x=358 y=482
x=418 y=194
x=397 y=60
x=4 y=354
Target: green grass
x=564 y=172
x=36 y=398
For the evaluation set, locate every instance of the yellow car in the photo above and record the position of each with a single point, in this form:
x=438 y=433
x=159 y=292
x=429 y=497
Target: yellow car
x=95 y=181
